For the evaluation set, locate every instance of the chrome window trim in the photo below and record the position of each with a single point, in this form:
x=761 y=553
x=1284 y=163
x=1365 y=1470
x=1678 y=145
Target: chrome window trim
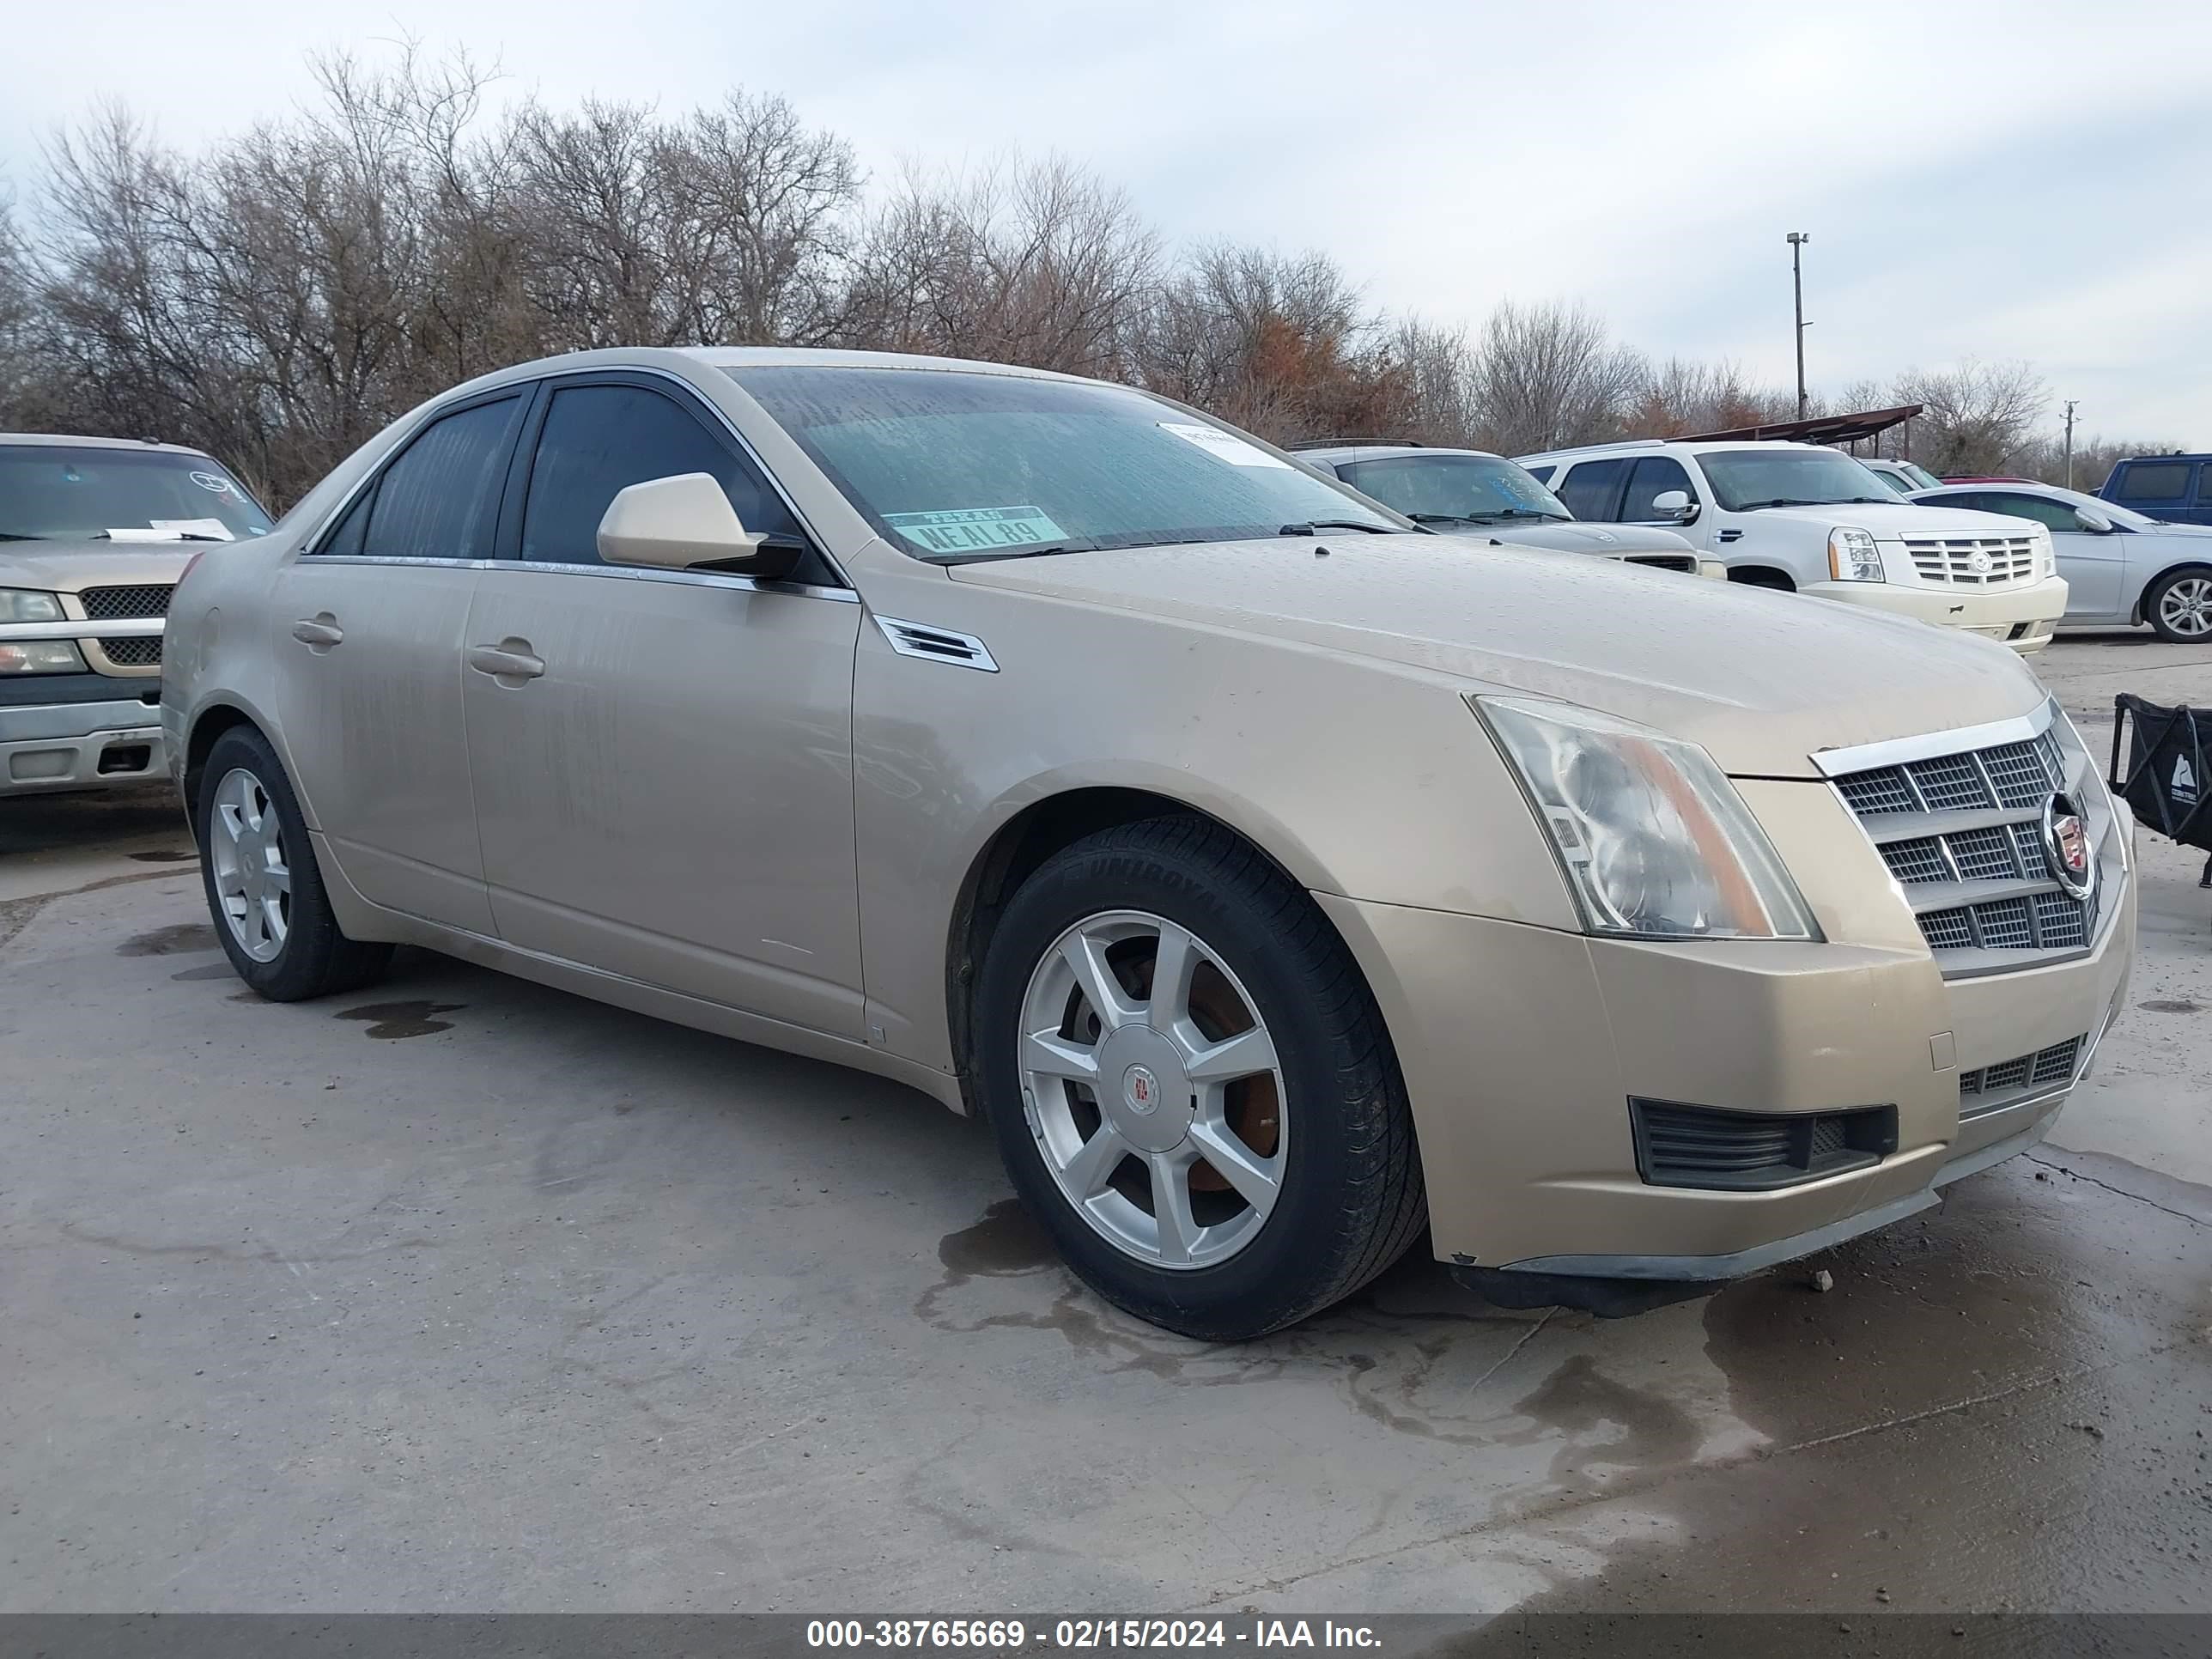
x=1931 y=745
x=620 y=573
x=528 y=388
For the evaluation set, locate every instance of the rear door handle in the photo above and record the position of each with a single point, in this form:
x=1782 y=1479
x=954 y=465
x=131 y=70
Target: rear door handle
x=319 y=632
x=510 y=662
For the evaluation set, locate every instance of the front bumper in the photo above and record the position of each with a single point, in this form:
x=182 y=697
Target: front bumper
x=46 y=748
x=2023 y=618
x=1521 y=1048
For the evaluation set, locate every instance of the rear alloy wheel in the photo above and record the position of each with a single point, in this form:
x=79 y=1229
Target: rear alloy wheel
x=1190 y=1084
x=2178 y=607
x=263 y=889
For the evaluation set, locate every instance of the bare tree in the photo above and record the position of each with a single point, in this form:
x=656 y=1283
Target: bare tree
x=1277 y=343
x=1976 y=418
x=1550 y=375
x=1036 y=262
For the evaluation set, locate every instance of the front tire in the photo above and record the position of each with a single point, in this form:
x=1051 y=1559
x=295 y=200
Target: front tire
x=1191 y=1086
x=264 y=890
x=2179 y=606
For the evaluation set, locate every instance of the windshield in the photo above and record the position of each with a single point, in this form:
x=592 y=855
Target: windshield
x=1921 y=477
x=1479 y=488
x=954 y=465
x=1746 y=478
x=72 y=492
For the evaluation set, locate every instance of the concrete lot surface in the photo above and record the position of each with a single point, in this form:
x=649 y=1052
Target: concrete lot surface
x=463 y=1294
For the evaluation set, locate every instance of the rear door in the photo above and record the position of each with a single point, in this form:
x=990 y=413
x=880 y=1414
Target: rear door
x=663 y=760
x=368 y=630
x=1592 y=490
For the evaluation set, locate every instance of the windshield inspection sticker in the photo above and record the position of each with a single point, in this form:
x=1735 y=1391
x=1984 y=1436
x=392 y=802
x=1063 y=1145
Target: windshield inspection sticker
x=975 y=528
x=1222 y=445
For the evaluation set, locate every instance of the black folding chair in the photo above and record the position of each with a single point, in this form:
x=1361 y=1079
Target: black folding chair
x=2168 y=779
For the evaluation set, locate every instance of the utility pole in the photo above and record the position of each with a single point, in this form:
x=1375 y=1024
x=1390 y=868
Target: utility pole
x=1797 y=240
x=2070 y=402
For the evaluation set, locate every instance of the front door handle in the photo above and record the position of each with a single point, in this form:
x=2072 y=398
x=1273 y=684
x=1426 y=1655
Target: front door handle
x=319 y=632
x=511 y=662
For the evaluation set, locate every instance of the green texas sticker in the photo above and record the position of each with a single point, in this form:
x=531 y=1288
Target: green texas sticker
x=975 y=529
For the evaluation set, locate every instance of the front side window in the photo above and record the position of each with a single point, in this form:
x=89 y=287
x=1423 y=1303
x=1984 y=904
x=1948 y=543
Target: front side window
x=1592 y=490
x=1652 y=477
x=84 y=492
x=598 y=441
x=2155 y=481
x=1744 y=480
x=951 y=465
x=2059 y=515
x=1468 y=489
x=435 y=500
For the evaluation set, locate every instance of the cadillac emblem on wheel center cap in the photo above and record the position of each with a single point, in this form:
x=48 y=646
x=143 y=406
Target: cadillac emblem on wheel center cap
x=2066 y=846
x=1140 y=1090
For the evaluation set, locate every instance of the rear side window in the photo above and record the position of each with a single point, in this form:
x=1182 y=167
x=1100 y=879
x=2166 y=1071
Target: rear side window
x=434 y=501
x=2155 y=481
x=1592 y=490
x=1654 y=475
x=599 y=440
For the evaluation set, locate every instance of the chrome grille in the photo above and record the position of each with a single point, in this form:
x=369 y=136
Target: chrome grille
x=116 y=604
x=1982 y=1089
x=133 y=654
x=1962 y=834
x=1973 y=561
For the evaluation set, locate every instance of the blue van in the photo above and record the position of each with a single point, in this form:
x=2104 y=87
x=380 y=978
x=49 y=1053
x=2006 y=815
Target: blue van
x=2175 y=487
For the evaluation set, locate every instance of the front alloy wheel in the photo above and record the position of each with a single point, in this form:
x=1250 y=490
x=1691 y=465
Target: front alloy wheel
x=1153 y=1089
x=1190 y=1084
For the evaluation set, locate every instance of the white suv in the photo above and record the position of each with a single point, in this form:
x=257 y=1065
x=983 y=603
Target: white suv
x=1811 y=520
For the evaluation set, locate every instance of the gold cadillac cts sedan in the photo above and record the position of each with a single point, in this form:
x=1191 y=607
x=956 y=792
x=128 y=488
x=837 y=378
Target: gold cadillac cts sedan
x=1281 y=881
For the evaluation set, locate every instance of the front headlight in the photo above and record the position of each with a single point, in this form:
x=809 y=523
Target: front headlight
x=2046 y=555
x=23 y=605
x=1655 y=840
x=40 y=657
x=1852 y=556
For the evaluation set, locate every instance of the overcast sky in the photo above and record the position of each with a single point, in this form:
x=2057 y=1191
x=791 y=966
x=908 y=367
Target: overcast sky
x=2028 y=180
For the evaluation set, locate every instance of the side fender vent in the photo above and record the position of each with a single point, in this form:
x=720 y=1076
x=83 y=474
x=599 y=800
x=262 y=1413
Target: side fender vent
x=911 y=639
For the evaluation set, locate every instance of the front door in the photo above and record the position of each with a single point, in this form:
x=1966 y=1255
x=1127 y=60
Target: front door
x=367 y=636
x=662 y=760
x=2094 y=567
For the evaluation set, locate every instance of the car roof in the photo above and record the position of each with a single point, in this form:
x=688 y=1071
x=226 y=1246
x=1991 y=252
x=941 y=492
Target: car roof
x=1629 y=446
x=72 y=441
x=823 y=357
x=1373 y=452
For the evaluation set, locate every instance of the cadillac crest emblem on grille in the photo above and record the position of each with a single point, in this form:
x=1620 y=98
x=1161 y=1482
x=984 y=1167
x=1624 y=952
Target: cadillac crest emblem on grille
x=2066 y=846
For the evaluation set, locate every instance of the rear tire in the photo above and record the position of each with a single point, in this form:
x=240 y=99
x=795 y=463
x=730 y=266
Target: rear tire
x=1293 y=1088
x=263 y=889
x=2179 y=606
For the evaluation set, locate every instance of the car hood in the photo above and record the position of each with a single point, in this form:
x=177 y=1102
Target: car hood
x=1611 y=541
x=1763 y=680
x=67 y=566
x=2165 y=529
x=1892 y=521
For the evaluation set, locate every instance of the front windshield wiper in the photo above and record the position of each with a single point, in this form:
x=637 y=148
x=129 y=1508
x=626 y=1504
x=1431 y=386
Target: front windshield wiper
x=18 y=536
x=1779 y=501
x=1496 y=517
x=1308 y=526
x=994 y=555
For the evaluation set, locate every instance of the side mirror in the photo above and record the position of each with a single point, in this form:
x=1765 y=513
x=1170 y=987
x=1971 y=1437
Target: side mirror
x=687 y=523
x=2093 y=521
x=1674 y=504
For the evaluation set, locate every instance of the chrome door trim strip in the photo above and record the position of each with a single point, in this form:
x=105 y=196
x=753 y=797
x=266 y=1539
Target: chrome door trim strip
x=619 y=572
